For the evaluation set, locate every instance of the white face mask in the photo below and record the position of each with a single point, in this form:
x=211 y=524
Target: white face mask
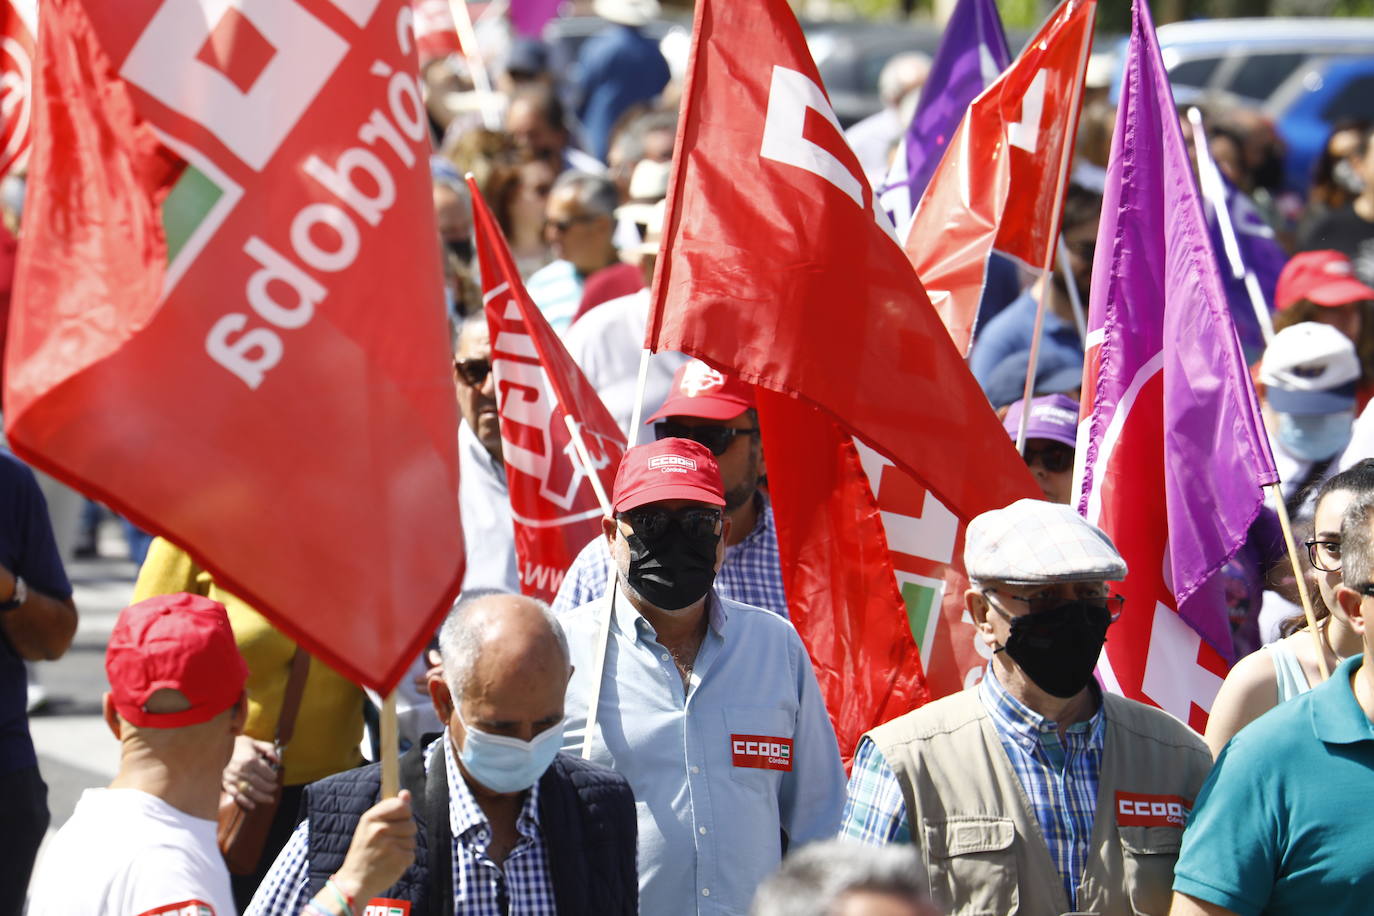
x=1317 y=437
x=508 y=764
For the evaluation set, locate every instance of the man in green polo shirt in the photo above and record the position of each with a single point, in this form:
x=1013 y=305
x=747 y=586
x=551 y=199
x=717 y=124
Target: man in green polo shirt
x=1283 y=823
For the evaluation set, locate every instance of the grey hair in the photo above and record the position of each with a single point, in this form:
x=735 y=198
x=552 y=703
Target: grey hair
x=457 y=328
x=1357 y=542
x=595 y=193
x=459 y=640
x=813 y=878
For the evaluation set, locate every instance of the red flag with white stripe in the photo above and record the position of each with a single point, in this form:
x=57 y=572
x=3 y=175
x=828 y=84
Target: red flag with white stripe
x=1002 y=178
x=18 y=33
x=556 y=506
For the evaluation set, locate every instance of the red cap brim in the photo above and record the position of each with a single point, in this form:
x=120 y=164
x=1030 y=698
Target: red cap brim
x=676 y=490
x=707 y=408
x=1340 y=292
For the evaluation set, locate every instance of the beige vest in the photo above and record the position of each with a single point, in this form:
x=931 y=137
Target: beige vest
x=976 y=831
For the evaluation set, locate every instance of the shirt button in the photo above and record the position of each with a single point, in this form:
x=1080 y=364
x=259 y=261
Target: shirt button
x=696 y=770
x=705 y=892
x=701 y=830
x=665 y=656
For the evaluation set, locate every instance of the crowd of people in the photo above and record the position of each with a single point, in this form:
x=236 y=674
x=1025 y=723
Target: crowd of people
x=691 y=766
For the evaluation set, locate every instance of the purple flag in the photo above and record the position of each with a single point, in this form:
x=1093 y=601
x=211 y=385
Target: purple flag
x=1173 y=450
x=1258 y=252
x=973 y=53
x=529 y=16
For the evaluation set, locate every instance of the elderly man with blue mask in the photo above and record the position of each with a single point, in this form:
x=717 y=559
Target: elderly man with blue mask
x=506 y=824
x=1034 y=791
x=1309 y=372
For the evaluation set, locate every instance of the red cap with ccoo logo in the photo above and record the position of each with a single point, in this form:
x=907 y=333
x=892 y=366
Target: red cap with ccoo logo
x=700 y=391
x=1324 y=277
x=175 y=642
x=667 y=469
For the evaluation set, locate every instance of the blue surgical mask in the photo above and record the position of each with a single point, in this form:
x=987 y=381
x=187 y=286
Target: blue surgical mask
x=1316 y=437
x=508 y=764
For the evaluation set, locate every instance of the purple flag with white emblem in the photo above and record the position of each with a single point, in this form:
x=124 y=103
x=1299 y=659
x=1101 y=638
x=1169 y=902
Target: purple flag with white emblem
x=973 y=53
x=1174 y=454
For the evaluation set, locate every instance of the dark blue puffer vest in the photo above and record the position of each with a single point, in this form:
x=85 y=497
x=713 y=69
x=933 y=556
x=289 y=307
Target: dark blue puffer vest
x=586 y=815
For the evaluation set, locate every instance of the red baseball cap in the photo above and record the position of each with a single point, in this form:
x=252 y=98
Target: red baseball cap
x=175 y=642
x=1323 y=277
x=668 y=469
x=700 y=391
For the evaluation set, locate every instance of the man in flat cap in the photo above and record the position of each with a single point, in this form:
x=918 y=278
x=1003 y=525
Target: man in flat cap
x=1033 y=791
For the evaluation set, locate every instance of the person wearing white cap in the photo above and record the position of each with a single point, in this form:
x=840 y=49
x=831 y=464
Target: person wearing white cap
x=1034 y=791
x=1309 y=373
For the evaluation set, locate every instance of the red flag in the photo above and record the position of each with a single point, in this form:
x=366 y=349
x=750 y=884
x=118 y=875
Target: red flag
x=849 y=613
x=436 y=34
x=1001 y=182
x=778 y=266
x=555 y=505
x=228 y=320
x=18 y=26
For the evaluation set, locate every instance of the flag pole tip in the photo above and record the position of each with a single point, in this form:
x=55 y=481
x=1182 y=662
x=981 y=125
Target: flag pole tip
x=468 y=176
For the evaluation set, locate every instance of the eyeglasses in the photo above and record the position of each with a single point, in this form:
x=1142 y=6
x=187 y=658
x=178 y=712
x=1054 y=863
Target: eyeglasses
x=715 y=438
x=472 y=371
x=563 y=225
x=652 y=522
x=1324 y=555
x=1055 y=457
x=1037 y=603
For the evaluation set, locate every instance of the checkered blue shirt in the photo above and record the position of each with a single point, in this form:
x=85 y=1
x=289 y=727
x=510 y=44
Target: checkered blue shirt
x=520 y=887
x=750 y=574
x=1060 y=780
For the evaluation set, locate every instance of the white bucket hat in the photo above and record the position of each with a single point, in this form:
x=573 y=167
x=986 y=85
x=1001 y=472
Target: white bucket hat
x=627 y=12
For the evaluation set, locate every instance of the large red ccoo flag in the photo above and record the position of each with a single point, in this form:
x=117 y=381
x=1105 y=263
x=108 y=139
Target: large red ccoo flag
x=554 y=503
x=779 y=267
x=228 y=320
x=1002 y=178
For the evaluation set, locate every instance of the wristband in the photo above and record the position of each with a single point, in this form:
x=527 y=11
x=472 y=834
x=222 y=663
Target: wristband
x=346 y=900
x=20 y=595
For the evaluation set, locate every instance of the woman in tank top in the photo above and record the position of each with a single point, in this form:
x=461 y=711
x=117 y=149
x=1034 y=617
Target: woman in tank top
x=1288 y=667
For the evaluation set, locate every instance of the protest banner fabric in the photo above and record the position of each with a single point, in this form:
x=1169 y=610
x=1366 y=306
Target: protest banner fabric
x=210 y=332
x=779 y=267
x=18 y=31
x=554 y=505
x=1173 y=451
x=973 y=52
x=841 y=588
x=436 y=34
x=1002 y=177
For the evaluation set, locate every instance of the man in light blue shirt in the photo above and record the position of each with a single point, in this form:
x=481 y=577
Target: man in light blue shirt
x=707 y=706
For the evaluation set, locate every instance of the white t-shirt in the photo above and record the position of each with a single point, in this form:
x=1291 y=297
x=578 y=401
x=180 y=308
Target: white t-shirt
x=128 y=853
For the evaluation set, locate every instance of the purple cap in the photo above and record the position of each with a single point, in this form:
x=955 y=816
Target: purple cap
x=1054 y=417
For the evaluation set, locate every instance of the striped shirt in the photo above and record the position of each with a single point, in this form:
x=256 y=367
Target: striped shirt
x=520 y=886
x=750 y=574
x=556 y=289
x=1060 y=779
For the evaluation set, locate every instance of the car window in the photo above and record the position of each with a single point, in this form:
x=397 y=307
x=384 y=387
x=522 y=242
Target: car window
x=1355 y=100
x=1260 y=74
x=1194 y=73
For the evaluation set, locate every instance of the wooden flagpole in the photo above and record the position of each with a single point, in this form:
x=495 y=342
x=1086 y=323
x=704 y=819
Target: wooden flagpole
x=389 y=748
x=1302 y=580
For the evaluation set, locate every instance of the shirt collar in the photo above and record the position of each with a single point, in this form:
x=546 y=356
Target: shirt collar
x=1026 y=727
x=466 y=816
x=1337 y=717
x=628 y=620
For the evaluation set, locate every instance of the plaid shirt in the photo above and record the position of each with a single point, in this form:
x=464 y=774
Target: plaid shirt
x=1059 y=778
x=750 y=574
x=520 y=887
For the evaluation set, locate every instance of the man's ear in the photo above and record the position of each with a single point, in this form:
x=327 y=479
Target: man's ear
x=609 y=528
x=442 y=699
x=1352 y=603
x=107 y=709
x=976 y=603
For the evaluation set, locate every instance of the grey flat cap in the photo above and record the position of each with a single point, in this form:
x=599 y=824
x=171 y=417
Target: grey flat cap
x=1033 y=542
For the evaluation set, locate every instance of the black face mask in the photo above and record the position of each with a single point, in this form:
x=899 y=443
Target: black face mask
x=1058 y=648
x=460 y=249
x=673 y=571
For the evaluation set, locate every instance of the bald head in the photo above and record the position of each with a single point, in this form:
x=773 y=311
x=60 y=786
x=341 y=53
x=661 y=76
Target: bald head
x=497 y=638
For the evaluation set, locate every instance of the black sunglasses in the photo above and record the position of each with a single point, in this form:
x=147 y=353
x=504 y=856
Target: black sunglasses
x=715 y=438
x=652 y=522
x=1056 y=457
x=473 y=371
x=563 y=225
